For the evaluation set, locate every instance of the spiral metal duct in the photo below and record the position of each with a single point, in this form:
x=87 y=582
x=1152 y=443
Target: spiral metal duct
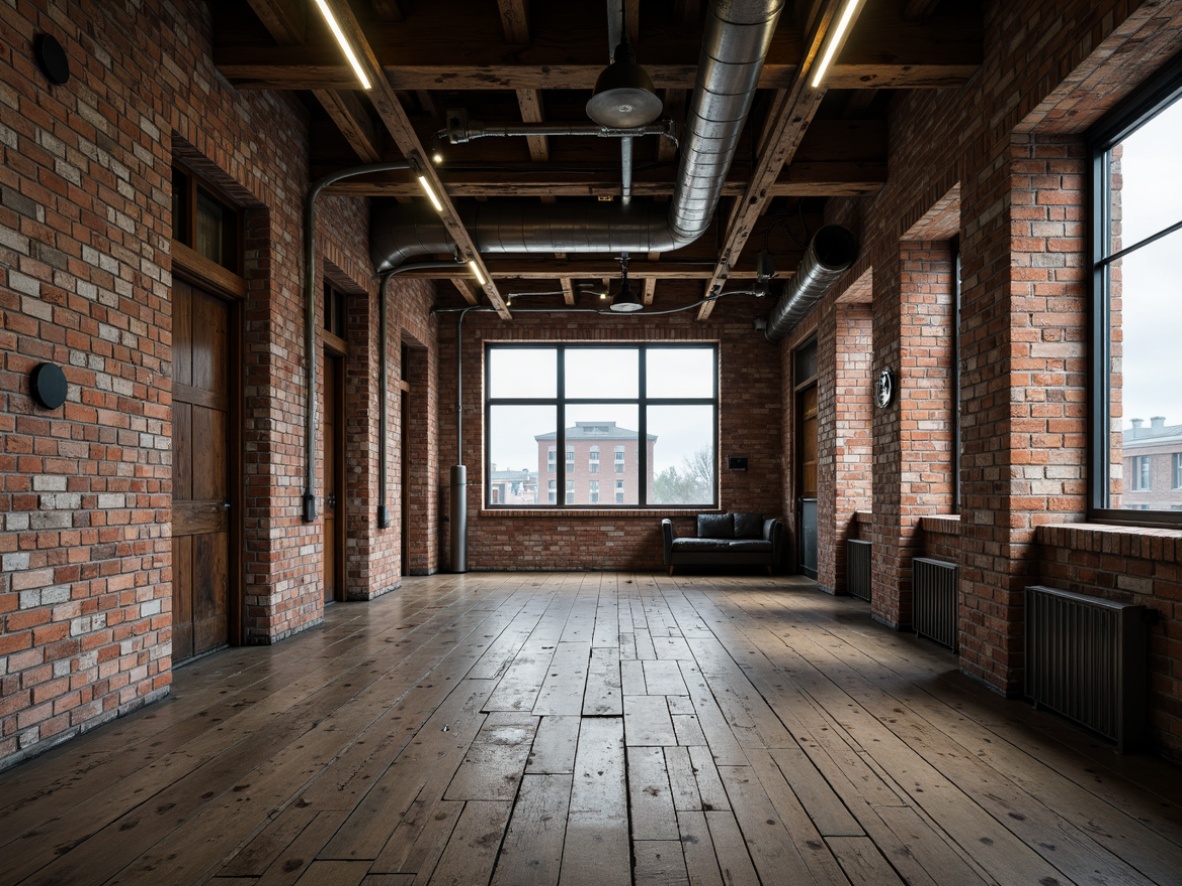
x=830 y=254
x=734 y=45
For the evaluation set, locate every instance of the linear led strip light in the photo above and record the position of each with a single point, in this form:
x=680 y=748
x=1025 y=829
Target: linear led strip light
x=835 y=39
x=335 y=27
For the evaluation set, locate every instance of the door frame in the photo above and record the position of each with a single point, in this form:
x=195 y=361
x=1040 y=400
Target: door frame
x=334 y=348
x=213 y=279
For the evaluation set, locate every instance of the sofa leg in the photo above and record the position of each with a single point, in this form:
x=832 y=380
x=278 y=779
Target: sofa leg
x=771 y=573
x=671 y=570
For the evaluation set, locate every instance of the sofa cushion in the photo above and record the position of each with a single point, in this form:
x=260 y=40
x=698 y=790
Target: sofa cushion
x=749 y=546
x=748 y=526
x=721 y=545
x=716 y=526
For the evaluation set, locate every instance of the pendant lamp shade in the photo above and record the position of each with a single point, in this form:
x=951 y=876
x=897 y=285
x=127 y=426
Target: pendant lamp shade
x=624 y=95
x=626 y=300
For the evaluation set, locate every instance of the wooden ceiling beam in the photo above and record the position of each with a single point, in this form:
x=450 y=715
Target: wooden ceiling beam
x=388 y=10
x=354 y=122
x=429 y=52
x=914 y=10
x=801 y=179
x=394 y=118
x=605 y=269
x=466 y=288
x=789 y=118
x=285 y=20
x=515 y=20
x=568 y=290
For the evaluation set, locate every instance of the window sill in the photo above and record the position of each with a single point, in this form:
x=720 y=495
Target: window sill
x=941 y=524
x=613 y=513
x=1149 y=542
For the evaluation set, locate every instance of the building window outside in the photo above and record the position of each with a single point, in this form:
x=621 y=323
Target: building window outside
x=594 y=492
x=1141 y=479
x=1177 y=475
x=1137 y=317
x=654 y=407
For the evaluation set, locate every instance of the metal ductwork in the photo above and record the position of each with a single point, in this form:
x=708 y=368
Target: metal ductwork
x=734 y=45
x=831 y=252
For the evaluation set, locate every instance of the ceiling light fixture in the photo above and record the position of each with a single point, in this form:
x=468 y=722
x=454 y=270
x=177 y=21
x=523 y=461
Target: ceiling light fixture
x=624 y=96
x=834 y=40
x=431 y=195
x=345 y=47
x=476 y=271
x=625 y=301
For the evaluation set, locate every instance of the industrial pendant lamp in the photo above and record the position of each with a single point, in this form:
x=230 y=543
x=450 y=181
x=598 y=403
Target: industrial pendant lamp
x=624 y=95
x=625 y=301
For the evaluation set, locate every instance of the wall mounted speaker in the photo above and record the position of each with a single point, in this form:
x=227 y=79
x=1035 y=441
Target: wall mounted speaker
x=49 y=385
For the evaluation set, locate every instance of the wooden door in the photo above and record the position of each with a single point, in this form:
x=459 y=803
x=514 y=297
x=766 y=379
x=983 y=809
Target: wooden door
x=201 y=524
x=807 y=479
x=332 y=425
x=404 y=475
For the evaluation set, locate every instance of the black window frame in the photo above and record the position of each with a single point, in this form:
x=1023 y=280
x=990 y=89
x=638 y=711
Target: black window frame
x=642 y=401
x=1158 y=93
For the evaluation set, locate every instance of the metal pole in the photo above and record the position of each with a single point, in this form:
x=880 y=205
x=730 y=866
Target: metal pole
x=309 y=499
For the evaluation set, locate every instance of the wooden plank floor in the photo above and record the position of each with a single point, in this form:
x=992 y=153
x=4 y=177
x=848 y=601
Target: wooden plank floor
x=599 y=728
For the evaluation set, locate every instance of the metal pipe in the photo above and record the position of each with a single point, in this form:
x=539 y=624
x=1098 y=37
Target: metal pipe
x=309 y=498
x=626 y=171
x=830 y=253
x=463 y=131
x=737 y=36
x=384 y=383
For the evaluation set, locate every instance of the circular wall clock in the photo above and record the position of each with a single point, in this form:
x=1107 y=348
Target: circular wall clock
x=884 y=388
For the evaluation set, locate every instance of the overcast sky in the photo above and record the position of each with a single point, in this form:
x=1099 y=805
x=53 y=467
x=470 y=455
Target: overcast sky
x=1152 y=318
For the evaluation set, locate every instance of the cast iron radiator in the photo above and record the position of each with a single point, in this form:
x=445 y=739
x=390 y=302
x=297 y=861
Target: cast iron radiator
x=857 y=568
x=934 y=600
x=1086 y=660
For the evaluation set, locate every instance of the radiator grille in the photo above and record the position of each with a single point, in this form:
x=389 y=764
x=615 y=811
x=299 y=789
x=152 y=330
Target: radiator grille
x=1085 y=659
x=934 y=600
x=857 y=568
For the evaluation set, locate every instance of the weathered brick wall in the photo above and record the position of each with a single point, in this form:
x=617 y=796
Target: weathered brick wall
x=85 y=282
x=749 y=408
x=1017 y=168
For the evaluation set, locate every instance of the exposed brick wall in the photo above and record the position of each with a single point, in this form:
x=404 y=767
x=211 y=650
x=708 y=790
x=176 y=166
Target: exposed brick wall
x=1050 y=71
x=749 y=425
x=85 y=282
x=852 y=420
x=410 y=302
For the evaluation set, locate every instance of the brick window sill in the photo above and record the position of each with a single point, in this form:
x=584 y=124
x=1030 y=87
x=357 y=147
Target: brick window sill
x=1146 y=542
x=942 y=524
x=613 y=513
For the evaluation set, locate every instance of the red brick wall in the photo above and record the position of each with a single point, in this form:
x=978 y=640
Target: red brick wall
x=85 y=282
x=749 y=425
x=847 y=435
x=1011 y=139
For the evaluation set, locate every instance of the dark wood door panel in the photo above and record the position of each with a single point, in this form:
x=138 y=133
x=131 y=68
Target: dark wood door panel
x=201 y=525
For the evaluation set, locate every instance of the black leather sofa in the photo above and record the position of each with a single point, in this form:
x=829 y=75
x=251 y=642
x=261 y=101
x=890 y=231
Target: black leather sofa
x=726 y=540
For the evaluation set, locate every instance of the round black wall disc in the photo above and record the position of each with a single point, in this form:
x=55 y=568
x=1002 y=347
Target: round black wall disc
x=49 y=385
x=51 y=58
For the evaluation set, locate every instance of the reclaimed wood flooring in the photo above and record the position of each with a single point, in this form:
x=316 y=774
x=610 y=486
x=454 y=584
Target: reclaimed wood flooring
x=523 y=729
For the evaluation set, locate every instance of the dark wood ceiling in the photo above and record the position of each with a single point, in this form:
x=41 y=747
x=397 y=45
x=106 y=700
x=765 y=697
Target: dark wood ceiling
x=509 y=61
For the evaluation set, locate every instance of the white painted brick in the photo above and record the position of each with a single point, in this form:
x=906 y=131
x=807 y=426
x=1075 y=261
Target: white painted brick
x=13 y=562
